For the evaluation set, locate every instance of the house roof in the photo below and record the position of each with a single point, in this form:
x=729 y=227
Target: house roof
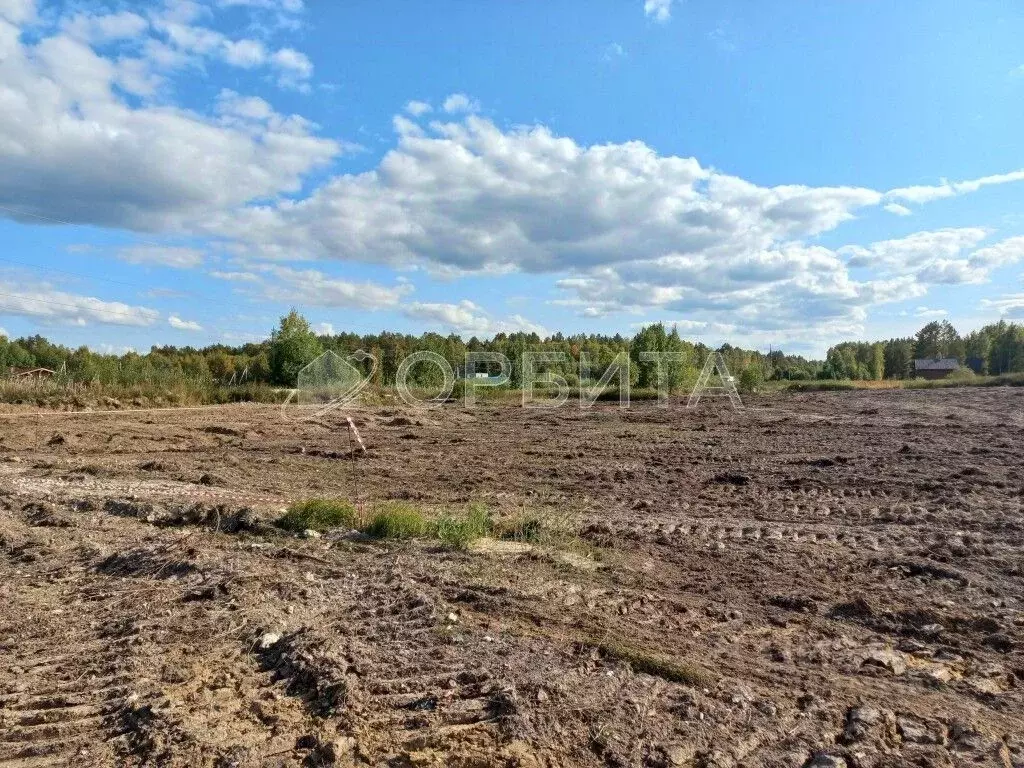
x=27 y=371
x=937 y=364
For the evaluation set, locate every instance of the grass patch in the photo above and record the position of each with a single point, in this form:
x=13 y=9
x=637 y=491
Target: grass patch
x=460 y=532
x=396 y=521
x=659 y=665
x=554 y=529
x=522 y=527
x=455 y=529
x=960 y=379
x=318 y=515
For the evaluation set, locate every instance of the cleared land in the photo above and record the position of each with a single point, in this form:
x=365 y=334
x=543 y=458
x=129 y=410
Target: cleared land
x=821 y=578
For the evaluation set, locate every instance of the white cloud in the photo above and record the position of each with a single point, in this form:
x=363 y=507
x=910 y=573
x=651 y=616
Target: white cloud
x=925 y=312
x=659 y=10
x=906 y=254
x=105 y=28
x=1009 y=251
x=468 y=318
x=187 y=42
x=105 y=348
x=183 y=325
x=310 y=287
x=1009 y=306
x=926 y=194
x=324 y=329
x=18 y=11
x=622 y=227
x=49 y=306
x=294 y=69
x=244 y=53
x=460 y=102
x=897 y=209
x=945 y=256
x=181 y=258
x=72 y=150
x=635 y=231
x=470 y=197
x=614 y=51
x=313 y=288
x=237 y=277
x=417 y=108
x=289 y=6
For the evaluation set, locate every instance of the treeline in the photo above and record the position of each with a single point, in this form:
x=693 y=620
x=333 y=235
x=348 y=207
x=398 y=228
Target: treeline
x=993 y=350
x=278 y=360
x=990 y=351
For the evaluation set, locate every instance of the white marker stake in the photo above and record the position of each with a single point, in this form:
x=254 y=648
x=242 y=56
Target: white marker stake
x=352 y=430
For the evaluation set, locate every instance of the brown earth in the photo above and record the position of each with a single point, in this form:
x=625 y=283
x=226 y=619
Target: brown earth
x=825 y=580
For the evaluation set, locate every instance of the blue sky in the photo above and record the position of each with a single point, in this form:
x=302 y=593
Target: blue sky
x=779 y=173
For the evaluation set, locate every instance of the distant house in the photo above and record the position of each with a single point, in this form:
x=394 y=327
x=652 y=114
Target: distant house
x=936 y=367
x=32 y=373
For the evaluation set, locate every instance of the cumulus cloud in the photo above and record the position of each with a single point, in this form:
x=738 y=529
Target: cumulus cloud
x=460 y=102
x=914 y=251
x=294 y=69
x=183 y=325
x=634 y=230
x=659 y=10
x=468 y=196
x=47 y=305
x=469 y=319
x=71 y=149
x=417 y=108
x=1009 y=251
x=1009 y=306
x=946 y=256
x=621 y=227
x=104 y=28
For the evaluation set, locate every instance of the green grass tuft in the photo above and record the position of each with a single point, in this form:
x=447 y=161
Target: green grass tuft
x=459 y=532
x=318 y=515
x=396 y=521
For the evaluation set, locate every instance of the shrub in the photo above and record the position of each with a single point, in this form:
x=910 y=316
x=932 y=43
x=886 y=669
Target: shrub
x=318 y=515
x=751 y=378
x=396 y=521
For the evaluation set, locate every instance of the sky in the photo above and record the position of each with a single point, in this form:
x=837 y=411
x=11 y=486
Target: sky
x=770 y=174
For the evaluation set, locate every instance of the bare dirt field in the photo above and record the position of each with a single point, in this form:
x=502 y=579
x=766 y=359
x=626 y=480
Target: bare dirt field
x=824 y=579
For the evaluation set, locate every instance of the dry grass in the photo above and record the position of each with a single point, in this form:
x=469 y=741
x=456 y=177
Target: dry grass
x=653 y=663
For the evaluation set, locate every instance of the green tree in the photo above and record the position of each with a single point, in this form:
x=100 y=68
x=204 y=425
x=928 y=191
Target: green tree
x=292 y=346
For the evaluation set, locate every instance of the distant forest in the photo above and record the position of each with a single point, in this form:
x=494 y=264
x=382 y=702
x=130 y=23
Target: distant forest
x=992 y=350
